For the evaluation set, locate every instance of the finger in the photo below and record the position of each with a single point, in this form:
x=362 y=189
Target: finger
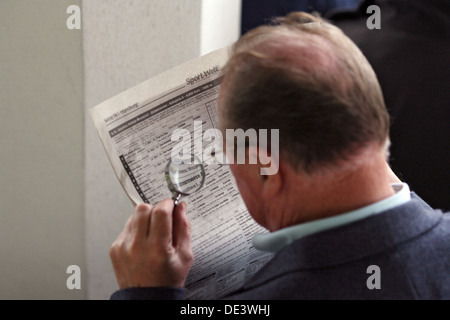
x=161 y=223
x=116 y=248
x=181 y=227
x=127 y=227
x=141 y=220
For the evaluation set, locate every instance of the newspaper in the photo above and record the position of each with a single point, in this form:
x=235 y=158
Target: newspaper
x=135 y=128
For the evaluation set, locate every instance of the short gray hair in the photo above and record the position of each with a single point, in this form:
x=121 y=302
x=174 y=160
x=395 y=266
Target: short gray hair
x=303 y=76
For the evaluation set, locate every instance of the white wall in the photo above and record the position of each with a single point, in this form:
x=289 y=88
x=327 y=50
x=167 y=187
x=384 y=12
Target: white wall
x=221 y=24
x=41 y=150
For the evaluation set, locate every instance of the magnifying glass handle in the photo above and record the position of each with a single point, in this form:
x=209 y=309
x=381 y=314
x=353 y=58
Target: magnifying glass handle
x=176 y=199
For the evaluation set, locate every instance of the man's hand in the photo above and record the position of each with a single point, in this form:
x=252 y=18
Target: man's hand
x=154 y=248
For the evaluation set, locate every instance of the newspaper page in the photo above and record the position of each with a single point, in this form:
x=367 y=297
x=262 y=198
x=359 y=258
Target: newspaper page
x=136 y=127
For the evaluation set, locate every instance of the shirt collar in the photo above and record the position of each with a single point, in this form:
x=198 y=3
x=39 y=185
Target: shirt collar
x=274 y=241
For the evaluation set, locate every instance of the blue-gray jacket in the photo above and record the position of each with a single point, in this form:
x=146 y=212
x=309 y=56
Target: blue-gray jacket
x=404 y=251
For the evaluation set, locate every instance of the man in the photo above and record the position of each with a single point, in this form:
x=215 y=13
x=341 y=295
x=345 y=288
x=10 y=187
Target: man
x=333 y=215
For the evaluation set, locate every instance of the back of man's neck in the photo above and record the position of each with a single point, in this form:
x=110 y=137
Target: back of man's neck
x=331 y=194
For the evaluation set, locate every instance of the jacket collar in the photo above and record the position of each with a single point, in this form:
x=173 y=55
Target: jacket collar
x=276 y=240
x=360 y=239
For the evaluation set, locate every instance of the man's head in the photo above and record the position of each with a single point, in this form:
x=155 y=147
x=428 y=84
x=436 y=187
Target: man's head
x=304 y=77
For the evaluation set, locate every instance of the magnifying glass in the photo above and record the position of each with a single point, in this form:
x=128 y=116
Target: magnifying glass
x=184 y=176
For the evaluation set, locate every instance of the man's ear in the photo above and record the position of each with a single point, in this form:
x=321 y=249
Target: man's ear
x=269 y=171
x=273 y=182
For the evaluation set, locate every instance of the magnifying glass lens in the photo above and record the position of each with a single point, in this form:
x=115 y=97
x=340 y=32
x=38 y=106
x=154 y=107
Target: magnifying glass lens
x=184 y=176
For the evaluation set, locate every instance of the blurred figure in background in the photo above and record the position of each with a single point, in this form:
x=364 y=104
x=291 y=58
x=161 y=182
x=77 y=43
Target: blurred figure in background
x=259 y=12
x=410 y=55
